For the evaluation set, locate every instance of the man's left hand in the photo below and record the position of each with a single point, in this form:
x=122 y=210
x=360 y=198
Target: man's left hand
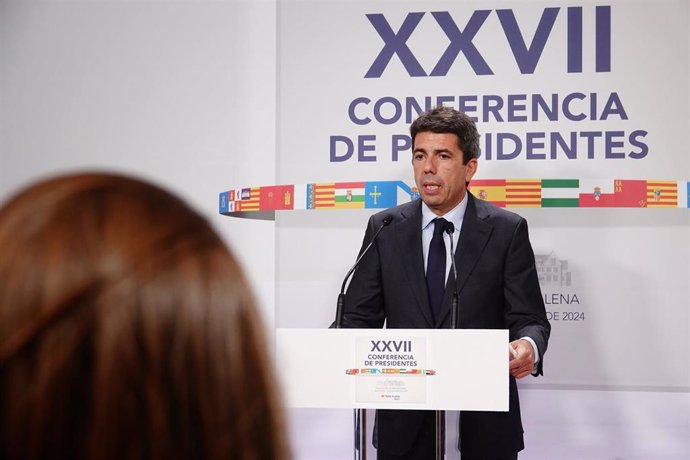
x=523 y=362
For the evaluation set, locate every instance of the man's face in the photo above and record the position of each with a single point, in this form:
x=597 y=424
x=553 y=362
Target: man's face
x=439 y=171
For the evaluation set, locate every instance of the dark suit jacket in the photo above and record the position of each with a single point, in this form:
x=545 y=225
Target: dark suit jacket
x=498 y=289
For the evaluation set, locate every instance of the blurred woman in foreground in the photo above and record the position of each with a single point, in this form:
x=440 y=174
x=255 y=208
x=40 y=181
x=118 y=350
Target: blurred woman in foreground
x=127 y=330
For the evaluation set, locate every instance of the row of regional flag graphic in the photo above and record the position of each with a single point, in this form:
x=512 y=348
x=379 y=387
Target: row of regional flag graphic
x=505 y=193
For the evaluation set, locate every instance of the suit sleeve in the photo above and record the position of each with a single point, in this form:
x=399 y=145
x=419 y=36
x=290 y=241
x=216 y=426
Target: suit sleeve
x=524 y=308
x=364 y=296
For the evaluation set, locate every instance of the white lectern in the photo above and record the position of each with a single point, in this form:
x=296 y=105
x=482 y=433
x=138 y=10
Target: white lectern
x=424 y=369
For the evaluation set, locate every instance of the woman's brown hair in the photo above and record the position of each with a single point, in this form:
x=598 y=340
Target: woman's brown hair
x=127 y=330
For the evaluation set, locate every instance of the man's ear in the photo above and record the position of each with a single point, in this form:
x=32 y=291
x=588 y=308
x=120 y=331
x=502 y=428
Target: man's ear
x=471 y=169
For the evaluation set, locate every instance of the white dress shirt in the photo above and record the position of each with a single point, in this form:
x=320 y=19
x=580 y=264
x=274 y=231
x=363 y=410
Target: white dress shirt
x=456 y=216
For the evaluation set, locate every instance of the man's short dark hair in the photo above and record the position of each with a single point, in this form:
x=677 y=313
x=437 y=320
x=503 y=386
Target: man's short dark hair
x=448 y=120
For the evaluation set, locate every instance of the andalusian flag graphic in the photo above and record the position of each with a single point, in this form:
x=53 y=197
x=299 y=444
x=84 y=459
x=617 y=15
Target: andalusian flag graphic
x=349 y=195
x=523 y=193
x=662 y=194
x=560 y=193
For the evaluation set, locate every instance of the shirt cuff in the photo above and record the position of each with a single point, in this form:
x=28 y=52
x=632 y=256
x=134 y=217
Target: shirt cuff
x=534 y=348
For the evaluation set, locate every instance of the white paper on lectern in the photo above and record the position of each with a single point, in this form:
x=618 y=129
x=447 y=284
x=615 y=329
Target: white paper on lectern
x=470 y=365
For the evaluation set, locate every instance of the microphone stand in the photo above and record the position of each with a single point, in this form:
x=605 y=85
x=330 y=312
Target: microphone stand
x=441 y=415
x=360 y=418
x=341 y=297
x=450 y=229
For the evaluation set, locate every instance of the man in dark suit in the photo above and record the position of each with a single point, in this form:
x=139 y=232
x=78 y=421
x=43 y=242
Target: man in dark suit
x=497 y=284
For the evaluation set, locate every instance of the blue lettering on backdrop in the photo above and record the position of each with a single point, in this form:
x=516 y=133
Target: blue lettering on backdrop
x=501 y=146
x=575 y=40
x=634 y=140
x=400 y=143
x=511 y=108
x=343 y=148
x=461 y=41
x=527 y=58
x=379 y=111
x=395 y=44
x=351 y=111
x=575 y=106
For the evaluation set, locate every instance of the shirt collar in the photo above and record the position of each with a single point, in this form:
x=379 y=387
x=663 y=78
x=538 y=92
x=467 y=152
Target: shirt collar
x=455 y=215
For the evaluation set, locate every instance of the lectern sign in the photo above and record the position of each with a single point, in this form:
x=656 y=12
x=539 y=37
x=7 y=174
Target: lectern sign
x=390 y=369
x=394 y=368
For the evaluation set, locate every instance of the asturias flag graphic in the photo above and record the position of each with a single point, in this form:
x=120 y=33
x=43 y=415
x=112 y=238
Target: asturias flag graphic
x=381 y=195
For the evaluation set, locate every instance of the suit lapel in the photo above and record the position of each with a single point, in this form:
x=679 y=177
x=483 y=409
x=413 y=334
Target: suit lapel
x=409 y=239
x=474 y=235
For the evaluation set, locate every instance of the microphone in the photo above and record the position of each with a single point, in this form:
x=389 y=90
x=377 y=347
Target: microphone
x=450 y=229
x=341 y=297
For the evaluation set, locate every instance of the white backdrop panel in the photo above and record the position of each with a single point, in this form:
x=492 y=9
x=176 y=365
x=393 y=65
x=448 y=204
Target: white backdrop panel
x=625 y=299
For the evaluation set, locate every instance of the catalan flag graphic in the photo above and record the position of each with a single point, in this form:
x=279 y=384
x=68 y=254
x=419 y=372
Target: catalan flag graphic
x=320 y=196
x=349 y=195
x=662 y=194
x=491 y=190
x=249 y=199
x=560 y=193
x=523 y=193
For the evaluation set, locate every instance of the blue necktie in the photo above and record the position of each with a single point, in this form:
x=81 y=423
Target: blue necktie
x=436 y=267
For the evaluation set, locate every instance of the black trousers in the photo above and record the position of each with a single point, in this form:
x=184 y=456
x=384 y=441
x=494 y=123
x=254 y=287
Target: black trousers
x=424 y=447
